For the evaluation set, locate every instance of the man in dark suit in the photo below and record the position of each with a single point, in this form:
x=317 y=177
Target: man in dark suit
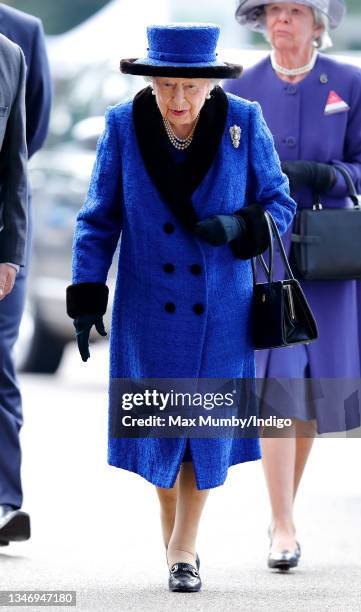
x=27 y=32
x=13 y=231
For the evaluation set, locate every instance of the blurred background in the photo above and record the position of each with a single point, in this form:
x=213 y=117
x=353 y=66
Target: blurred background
x=64 y=15
x=85 y=40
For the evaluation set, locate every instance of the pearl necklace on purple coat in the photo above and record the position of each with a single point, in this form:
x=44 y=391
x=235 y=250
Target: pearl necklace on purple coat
x=293 y=71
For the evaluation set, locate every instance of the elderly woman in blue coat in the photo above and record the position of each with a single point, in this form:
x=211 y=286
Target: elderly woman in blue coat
x=183 y=173
x=312 y=105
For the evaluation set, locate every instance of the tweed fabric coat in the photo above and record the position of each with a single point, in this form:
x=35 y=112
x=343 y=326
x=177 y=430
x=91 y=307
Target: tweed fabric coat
x=147 y=340
x=303 y=129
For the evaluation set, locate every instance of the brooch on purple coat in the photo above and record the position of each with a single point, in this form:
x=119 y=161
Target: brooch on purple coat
x=235 y=132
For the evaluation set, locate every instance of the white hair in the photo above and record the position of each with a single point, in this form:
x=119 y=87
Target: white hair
x=214 y=82
x=324 y=40
x=321 y=42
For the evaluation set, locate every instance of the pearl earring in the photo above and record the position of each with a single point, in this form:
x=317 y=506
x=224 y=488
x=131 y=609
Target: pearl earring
x=208 y=96
x=153 y=93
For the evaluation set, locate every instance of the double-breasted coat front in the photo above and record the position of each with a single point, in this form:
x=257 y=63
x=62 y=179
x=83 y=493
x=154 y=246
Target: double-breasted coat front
x=317 y=119
x=190 y=319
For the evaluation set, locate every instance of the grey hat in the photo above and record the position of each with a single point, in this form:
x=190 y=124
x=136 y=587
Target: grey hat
x=249 y=11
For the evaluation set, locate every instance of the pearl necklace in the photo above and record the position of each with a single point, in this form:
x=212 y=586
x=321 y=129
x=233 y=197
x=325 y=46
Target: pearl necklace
x=179 y=143
x=293 y=71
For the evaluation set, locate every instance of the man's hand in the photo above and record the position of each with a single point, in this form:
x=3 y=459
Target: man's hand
x=7 y=279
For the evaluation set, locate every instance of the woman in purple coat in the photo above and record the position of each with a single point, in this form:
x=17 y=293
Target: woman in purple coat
x=312 y=105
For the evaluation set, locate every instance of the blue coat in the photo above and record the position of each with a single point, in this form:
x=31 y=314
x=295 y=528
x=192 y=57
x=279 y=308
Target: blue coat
x=295 y=114
x=27 y=32
x=128 y=196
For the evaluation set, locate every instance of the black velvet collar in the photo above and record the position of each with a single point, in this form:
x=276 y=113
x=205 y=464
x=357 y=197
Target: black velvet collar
x=177 y=182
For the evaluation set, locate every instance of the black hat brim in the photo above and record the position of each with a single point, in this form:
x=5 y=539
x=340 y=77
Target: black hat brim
x=221 y=71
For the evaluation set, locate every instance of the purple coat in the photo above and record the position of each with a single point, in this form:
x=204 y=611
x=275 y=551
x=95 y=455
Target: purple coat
x=295 y=114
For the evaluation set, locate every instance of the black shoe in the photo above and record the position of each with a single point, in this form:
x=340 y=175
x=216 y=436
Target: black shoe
x=183 y=577
x=14 y=525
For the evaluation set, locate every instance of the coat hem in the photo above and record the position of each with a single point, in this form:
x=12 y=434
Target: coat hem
x=324 y=430
x=200 y=484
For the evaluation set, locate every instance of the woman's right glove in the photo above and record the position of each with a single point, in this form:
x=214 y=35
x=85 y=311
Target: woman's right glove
x=86 y=303
x=83 y=325
x=220 y=229
x=246 y=231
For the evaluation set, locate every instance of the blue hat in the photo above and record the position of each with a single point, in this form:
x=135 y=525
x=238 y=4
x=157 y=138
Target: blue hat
x=182 y=50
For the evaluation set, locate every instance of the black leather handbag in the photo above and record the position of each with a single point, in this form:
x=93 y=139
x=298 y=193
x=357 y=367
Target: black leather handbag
x=281 y=313
x=326 y=241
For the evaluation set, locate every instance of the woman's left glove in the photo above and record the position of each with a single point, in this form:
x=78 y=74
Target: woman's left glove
x=318 y=177
x=83 y=325
x=220 y=229
x=86 y=303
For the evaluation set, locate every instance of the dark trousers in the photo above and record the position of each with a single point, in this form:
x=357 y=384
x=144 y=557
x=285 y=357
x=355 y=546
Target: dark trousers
x=11 y=417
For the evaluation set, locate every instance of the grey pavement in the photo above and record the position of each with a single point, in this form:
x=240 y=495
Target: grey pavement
x=95 y=529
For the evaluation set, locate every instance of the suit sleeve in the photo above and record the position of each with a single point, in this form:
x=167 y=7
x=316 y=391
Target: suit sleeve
x=38 y=93
x=268 y=189
x=14 y=169
x=99 y=221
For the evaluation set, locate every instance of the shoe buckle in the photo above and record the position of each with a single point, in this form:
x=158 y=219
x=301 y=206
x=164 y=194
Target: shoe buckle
x=192 y=570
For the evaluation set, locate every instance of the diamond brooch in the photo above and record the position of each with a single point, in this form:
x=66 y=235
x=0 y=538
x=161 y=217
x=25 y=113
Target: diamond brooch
x=235 y=132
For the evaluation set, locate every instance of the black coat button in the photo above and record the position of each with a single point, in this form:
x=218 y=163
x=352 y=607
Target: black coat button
x=198 y=308
x=168 y=267
x=170 y=307
x=168 y=228
x=195 y=269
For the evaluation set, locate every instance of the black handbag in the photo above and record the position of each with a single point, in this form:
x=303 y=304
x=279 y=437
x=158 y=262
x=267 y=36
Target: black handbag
x=326 y=242
x=281 y=313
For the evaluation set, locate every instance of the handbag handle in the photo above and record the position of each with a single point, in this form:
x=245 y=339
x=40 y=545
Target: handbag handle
x=350 y=184
x=268 y=270
x=272 y=232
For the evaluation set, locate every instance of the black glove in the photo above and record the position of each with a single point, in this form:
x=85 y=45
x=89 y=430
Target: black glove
x=220 y=229
x=83 y=325
x=318 y=177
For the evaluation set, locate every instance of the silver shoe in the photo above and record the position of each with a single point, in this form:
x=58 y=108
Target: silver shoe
x=285 y=559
